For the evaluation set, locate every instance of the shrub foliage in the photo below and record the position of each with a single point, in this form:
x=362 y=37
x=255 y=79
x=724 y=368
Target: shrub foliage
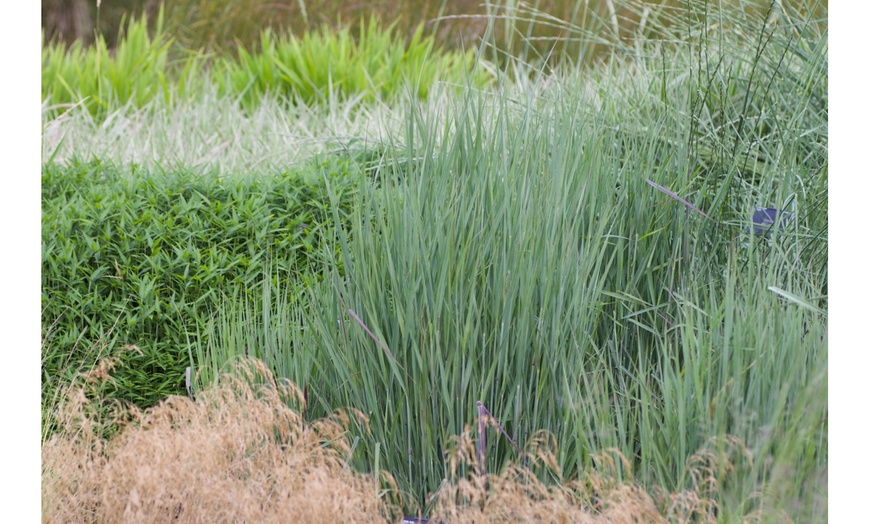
x=140 y=260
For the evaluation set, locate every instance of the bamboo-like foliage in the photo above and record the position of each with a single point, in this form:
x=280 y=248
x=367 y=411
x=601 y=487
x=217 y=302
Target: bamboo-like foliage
x=136 y=264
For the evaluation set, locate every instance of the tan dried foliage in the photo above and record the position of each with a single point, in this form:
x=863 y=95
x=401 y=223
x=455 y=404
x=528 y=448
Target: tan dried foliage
x=237 y=453
x=517 y=494
x=717 y=458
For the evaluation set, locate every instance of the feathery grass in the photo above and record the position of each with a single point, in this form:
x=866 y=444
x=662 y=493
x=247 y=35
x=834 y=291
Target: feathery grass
x=237 y=453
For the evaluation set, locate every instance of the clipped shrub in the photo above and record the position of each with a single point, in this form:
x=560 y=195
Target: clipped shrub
x=139 y=261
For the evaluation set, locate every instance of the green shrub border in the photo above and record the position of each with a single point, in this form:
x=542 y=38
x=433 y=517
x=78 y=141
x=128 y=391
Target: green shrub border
x=136 y=262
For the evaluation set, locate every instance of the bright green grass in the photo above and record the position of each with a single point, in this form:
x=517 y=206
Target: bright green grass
x=136 y=72
x=324 y=65
x=317 y=68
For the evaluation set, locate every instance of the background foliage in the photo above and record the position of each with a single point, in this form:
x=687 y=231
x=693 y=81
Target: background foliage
x=315 y=68
x=221 y=25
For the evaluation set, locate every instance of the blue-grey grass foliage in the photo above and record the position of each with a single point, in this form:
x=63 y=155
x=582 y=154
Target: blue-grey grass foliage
x=512 y=252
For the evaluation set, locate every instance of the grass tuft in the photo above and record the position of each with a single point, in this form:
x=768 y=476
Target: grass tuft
x=237 y=453
x=243 y=450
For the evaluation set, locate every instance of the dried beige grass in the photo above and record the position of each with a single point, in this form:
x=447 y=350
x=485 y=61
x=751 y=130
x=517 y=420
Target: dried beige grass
x=516 y=494
x=236 y=454
x=698 y=504
x=470 y=495
x=239 y=453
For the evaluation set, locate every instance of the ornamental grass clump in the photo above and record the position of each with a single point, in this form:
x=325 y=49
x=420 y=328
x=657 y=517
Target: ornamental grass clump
x=564 y=253
x=240 y=452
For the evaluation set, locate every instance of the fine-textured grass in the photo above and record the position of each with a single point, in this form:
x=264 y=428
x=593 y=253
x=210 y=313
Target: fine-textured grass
x=239 y=453
x=217 y=135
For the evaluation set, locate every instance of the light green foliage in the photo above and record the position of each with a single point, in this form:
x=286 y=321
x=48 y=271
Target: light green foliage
x=319 y=67
x=134 y=72
x=325 y=65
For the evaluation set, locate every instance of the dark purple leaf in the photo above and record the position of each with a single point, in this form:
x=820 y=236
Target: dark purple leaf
x=764 y=218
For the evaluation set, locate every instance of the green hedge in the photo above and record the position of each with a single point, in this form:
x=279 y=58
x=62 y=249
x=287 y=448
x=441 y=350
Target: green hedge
x=135 y=263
